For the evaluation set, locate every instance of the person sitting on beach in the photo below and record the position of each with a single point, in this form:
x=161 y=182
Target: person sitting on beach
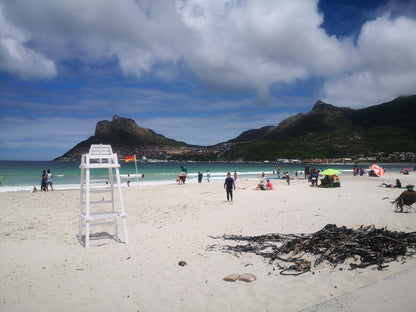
x=398 y=184
x=407 y=197
x=325 y=182
x=261 y=186
x=269 y=185
x=336 y=181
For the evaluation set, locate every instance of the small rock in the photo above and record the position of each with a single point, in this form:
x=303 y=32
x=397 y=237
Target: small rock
x=182 y=263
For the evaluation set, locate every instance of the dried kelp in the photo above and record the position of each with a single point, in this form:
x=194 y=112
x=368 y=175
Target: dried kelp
x=367 y=245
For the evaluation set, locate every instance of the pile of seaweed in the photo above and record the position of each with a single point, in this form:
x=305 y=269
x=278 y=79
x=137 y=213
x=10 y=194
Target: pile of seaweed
x=367 y=245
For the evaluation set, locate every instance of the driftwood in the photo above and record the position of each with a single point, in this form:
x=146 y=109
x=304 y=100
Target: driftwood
x=366 y=245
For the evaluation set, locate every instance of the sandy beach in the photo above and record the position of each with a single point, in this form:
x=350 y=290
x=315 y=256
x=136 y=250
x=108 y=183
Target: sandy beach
x=44 y=268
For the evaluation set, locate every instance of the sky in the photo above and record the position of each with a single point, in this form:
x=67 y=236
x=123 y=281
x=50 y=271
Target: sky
x=193 y=70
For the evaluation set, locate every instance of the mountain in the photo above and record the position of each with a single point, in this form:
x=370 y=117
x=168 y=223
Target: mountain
x=125 y=137
x=329 y=131
x=250 y=135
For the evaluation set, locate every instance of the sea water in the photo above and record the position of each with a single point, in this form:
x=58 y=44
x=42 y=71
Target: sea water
x=24 y=175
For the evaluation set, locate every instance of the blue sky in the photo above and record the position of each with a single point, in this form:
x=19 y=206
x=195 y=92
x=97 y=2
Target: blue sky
x=193 y=70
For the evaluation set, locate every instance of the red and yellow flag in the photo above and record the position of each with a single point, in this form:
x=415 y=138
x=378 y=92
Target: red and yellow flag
x=130 y=158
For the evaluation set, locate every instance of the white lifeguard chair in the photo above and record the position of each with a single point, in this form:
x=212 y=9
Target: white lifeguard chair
x=99 y=200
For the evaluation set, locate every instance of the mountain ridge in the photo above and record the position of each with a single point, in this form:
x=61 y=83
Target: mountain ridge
x=325 y=131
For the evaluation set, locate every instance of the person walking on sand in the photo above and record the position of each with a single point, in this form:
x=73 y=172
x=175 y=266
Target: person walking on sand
x=229 y=186
x=287 y=178
x=128 y=180
x=49 y=180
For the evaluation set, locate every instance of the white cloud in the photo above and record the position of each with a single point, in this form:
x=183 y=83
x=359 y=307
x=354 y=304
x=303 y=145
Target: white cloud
x=385 y=65
x=18 y=59
x=232 y=46
x=244 y=45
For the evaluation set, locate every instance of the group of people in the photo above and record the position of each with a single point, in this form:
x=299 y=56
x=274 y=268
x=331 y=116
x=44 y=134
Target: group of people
x=330 y=181
x=264 y=186
x=46 y=181
x=358 y=171
x=312 y=175
x=181 y=178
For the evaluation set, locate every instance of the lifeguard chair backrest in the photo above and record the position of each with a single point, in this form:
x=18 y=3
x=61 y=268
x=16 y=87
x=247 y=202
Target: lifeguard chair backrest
x=101 y=153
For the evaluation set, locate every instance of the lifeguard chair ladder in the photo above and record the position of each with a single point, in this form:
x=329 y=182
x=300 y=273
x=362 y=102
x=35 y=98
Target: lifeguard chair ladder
x=98 y=196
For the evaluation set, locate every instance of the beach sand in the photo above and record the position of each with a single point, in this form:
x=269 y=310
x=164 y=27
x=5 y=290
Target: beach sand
x=44 y=268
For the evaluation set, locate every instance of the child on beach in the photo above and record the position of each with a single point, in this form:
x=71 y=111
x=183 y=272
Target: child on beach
x=208 y=175
x=287 y=178
x=229 y=186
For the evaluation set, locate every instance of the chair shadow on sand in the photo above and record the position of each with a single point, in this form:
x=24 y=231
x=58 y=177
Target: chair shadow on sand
x=98 y=236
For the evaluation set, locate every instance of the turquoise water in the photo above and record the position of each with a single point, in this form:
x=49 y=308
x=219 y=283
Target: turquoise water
x=23 y=175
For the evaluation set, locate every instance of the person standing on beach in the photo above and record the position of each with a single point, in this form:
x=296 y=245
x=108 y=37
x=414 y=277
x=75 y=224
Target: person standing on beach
x=43 y=181
x=184 y=173
x=208 y=175
x=200 y=175
x=128 y=180
x=235 y=176
x=49 y=180
x=278 y=171
x=229 y=186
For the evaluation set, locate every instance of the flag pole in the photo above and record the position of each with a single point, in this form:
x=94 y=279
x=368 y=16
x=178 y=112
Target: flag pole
x=137 y=175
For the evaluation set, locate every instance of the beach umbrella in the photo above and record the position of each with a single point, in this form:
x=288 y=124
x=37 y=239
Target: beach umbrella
x=330 y=172
x=378 y=170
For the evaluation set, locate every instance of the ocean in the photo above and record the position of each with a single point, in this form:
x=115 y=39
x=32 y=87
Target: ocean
x=23 y=175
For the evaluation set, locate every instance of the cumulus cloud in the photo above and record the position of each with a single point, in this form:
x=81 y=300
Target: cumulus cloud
x=17 y=58
x=252 y=44
x=384 y=67
x=233 y=46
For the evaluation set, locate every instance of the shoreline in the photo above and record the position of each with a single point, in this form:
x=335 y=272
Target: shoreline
x=24 y=178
